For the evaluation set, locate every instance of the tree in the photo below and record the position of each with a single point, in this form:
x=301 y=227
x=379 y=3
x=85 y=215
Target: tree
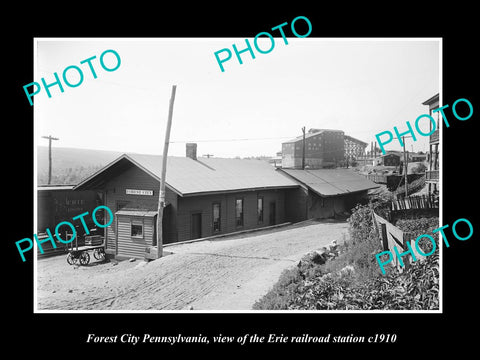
x=420 y=168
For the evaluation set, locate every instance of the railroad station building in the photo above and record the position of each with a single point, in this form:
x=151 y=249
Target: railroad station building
x=204 y=197
x=212 y=196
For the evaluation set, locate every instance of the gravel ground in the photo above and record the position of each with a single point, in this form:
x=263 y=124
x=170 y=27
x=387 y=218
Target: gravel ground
x=226 y=274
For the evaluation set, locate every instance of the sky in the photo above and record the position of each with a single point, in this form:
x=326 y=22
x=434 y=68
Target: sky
x=361 y=86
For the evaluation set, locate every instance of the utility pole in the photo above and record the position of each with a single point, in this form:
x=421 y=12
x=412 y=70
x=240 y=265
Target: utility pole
x=303 y=150
x=405 y=162
x=50 y=138
x=161 y=199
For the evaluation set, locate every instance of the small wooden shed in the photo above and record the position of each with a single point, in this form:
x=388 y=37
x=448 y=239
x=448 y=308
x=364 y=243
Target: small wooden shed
x=135 y=232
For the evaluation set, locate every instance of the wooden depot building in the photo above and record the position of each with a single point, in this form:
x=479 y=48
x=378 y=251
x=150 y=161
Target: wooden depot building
x=204 y=197
x=212 y=196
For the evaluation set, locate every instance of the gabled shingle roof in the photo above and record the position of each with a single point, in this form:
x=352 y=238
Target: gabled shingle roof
x=186 y=176
x=331 y=182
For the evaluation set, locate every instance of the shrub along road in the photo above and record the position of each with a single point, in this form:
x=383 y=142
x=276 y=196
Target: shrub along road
x=226 y=274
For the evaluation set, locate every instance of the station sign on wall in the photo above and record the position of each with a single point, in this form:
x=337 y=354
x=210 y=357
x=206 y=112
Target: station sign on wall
x=139 y=192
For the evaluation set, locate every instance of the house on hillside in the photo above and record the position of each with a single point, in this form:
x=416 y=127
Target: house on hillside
x=324 y=193
x=416 y=157
x=204 y=197
x=390 y=159
x=432 y=175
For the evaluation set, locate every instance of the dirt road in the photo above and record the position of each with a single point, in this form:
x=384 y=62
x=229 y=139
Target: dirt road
x=227 y=274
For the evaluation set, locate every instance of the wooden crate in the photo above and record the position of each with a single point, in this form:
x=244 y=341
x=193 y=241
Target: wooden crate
x=93 y=240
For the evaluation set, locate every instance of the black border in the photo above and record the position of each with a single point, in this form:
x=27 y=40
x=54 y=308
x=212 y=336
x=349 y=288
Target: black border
x=455 y=24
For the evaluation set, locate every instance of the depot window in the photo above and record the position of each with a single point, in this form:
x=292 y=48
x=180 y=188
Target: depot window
x=216 y=217
x=260 y=209
x=137 y=230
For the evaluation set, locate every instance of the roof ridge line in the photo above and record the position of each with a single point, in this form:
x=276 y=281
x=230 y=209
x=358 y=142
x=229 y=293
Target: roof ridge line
x=201 y=162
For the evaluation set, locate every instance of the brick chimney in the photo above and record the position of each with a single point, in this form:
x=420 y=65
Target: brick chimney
x=192 y=150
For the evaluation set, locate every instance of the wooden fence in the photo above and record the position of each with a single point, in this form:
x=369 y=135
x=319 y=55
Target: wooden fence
x=377 y=178
x=390 y=237
x=415 y=202
x=416 y=183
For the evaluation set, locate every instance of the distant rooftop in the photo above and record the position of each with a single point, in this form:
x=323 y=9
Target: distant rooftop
x=432 y=100
x=310 y=133
x=351 y=138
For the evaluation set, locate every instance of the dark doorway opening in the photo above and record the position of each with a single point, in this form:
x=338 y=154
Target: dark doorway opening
x=273 y=216
x=196 y=227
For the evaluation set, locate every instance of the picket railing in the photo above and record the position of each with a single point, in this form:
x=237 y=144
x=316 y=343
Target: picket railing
x=413 y=186
x=377 y=178
x=415 y=202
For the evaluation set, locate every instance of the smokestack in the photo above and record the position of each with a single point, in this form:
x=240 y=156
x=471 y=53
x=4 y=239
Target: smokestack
x=191 y=150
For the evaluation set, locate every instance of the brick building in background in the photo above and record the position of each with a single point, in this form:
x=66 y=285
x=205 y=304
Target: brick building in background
x=324 y=148
x=354 y=148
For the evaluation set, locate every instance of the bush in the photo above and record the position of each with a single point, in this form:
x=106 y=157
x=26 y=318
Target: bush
x=361 y=223
x=417 y=227
x=318 y=285
x=283 y=292
x=328 y=292
x=415 y=289
x=419 y=168
x=290 y=283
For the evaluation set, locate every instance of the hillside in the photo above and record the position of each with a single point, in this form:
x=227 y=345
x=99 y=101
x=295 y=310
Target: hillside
x=71 y=165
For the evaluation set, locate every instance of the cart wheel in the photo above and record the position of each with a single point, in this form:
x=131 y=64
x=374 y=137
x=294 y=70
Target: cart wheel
x=70 y=259
x=99 y=254
x=84 y=258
